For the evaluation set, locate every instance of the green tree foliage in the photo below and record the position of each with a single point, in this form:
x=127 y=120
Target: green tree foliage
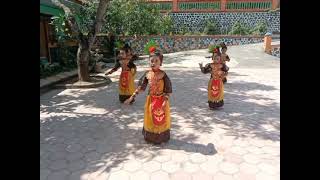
x=136 y=17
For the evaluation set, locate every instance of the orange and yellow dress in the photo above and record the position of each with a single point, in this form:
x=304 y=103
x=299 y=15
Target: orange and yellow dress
x=215 y=84
x=157 y=120
x=126 y=81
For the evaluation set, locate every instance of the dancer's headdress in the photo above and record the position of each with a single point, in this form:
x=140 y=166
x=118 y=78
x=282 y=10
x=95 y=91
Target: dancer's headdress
x=151 y=49
x=214 y=49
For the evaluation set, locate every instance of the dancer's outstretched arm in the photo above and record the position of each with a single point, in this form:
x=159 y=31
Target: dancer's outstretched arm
x=206 y=69
x=143 y=82
x=114 y=69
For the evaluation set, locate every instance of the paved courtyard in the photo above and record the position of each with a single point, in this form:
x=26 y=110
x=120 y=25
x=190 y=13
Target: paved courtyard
x=86 y=134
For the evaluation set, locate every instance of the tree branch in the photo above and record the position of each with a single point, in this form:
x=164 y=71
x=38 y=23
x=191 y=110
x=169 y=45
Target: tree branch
x=96 y=28
x=70 y=19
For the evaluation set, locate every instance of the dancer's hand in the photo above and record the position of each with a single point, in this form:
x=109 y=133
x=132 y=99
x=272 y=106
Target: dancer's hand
x=128 y=101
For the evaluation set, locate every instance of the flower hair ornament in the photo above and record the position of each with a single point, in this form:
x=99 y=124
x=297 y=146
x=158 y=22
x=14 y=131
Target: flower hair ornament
x=151 y=49
x=214 y=49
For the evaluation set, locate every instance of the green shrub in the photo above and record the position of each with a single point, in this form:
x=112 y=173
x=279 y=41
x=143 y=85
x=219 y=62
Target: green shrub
x=49 y=70
x=184 y=30
x=259 y=29
x=211 y=28
x=65 y=60
x=239 y=29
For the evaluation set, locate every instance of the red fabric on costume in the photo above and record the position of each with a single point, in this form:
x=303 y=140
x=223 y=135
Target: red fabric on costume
x=215 y=87
x=158 y=114
x=124 y=79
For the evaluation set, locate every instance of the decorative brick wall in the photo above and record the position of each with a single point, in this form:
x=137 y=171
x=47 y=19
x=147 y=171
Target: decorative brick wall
x=195 y=22
x=169 y=44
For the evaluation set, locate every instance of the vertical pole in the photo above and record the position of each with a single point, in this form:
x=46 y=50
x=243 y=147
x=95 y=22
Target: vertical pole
x=274 y=4
x=175 y=6
x=223 y=4
x=267 y=43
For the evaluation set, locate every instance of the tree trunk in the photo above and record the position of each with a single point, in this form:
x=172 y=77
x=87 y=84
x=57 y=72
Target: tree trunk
x=85 y=43
x=83 y=62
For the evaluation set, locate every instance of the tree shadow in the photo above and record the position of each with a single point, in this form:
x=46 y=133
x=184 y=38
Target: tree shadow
x=80 y=120
x=246 y=112
x=106 y=133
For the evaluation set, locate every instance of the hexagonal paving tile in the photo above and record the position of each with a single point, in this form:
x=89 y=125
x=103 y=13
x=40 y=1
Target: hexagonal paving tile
x=139 y=175
x=173 y=147
x=190 y=167
x=251 y=158
x=264 y=176
x=59 y=164
x=268 y=168
x=241 y=142
x=113 y=167
x=179 y=157
x=269 y=157
x=57 y=147
x=162 y=157
x=80 y=175
x=151 y=166
x=44 y=173
x=248 y=168
x=229 y=168
x=119 y=175
x=233 y=158
x=238 y=150
x=210 y=167
x=170 y=167
x=103 y=148
x=44 y=163
x=221 y=176
x=254 y=150
x=85 y=141
x=271 y=150
x=92 y=156
x=74 y=156
x=143 y=155
x=257 y=143
x=244 y=176
x=102 y=175
x=201 y=176
x=217 y=158
x=76 y=165
x=227 y=141
x=180 y=175
x=197 y=158
x=59 y=175
x=159 y=175
x=58 y=155
x=73 y=148
x=132 y=165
